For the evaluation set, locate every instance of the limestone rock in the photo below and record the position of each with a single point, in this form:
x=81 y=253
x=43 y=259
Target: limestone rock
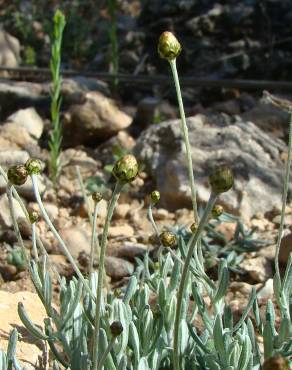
x=5 y=218
x=253 y=156
x=98 y=118
x=77 y=239
x=30 y=120
x=118 y=268
x=285 y=248
x=29 y=350
x=9 y=50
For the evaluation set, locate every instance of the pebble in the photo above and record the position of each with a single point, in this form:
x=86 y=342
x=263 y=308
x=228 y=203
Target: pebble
x=118 y=268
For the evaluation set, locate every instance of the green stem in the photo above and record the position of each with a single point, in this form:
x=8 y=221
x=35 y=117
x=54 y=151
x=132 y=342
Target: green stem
x=94 y=240
x=284 y=198
x=14 y=221
x=114 y=199
x=184 y=128
x=106 y=352
x=151 y=219
x=57 y=236
x=181 y=289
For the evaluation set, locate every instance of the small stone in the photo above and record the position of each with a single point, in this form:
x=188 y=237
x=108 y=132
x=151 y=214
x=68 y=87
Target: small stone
x=259 y=268
x=5 y=218
x=77 y=239
x=52 y=210
x=63 y=267
x=30 y=120
x=131 y=250
x=9 y=50
x=161 y=214
x=121 y=211
x=118 y=268
x=28 y=349
x=122 y=230
x=267 y=291
x=285 y=248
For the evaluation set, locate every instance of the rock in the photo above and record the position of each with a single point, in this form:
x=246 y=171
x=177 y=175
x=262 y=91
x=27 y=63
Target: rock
x=30 y=120
x=121 y=230
x=146 y=112
x=29 y=350
x=121 y=211
x=9 y=50
x=16 y=135
x=95 y=120
x=285 y=248
x=259 y=268
x=253 y=156
x=77 y=239
x=228 y=229
x=52 y=210
x=5 y=219
x=267 y=292
x=131 y=250
x=118 y=268
x=63 y=267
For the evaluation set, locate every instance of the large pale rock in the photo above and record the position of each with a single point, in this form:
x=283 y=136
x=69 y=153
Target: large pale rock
x=77 y=240
x=118 y=268
x=252 y=154
x=30 y=120
x=98 y=118
x=29 y=350
x=5 y=219
x=9 y=50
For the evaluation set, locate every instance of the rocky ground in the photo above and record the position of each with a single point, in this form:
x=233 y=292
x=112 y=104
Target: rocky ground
x=226 y=126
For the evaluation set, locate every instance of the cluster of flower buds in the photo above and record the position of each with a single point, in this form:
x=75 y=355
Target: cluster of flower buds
x=18 y=174
x=168 y=239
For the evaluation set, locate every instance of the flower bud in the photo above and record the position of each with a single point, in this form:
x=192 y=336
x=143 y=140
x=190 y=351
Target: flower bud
x=221 y=180
x=276 y=362
x=168 y=239
x=126 y=169
x=33 y=166
x=33 y=217
x=168 y=46
x=155 y=196
x=194 y=227
x=96 y=197
x=217 y=211
x=116 y=328
x=17 y=174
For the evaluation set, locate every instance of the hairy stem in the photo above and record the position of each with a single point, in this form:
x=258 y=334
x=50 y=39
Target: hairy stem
x=105 y=354
x=184 y=128
x=181 y=289
x=112 y=204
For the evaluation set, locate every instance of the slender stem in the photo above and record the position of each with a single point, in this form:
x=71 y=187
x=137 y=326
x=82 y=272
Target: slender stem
x=56 y=234
x=184 y=128
x=284 y=197
x=112 y=204
x=33 y=238
x=14 y=221
x=85 y=197
x=106 y=352
x=151 y=219
x=181 y=289
x=94 y=239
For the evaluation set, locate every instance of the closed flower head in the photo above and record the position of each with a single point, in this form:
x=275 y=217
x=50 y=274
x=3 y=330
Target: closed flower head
x=221 y=180
x=217 y=211
x=17 y=174
x=168 y=46
x=33 y=217
x=96 y=196
x=33 y=166
x=168 y=239
x=116 y=328
x=126 y=169
x=155 y=196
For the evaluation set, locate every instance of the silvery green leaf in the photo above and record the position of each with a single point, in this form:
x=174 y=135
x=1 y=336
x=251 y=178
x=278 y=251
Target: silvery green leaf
x=162 y=296
x=270 y=315
x=255 y=347
x=120 y=313
x=56 y=366
x=197 y=339
x=245 y=354
x=284 y=332
x=12 y=345
x=167 y=266
x=3 y=360
x=202 y=308
x=123 y=363
x=57 y=355
x=146 y=329
x=183 y=336
x=228 y=318
x=103 y=342
x=246 y=310
x=277 y=287
x=170 y=312
x=73 y=303
x=175 y=276
x=47 y=290
x=143 y=364
x=268 y=339
x=212 y=363
x=258 y=319
x=34 y=274
x=222 y=284
x=131 y=289
x=30 y=326
x=219 y=340
x=134 y=342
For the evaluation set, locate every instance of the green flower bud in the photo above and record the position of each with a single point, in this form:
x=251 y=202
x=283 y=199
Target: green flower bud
x=126 y=169
x=277 y=362
x=217 y=211
x=33 y=166
x=168 y=239
x=168 y=46
x=116 y=328
x=17 y=174
x=33 y=217
x=155 y=196
x=221 y=180
x=194 y=227
x=96 y=197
